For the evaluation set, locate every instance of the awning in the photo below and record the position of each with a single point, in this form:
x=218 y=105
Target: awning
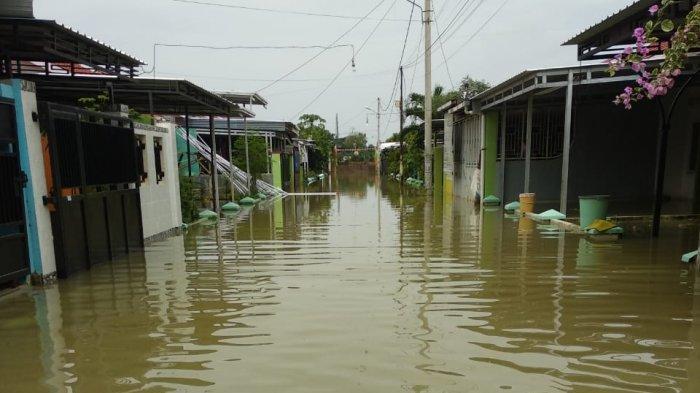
x=544 y=81
x=145 y=95
x=244 y=98
x=609 y=37
x=45 y=41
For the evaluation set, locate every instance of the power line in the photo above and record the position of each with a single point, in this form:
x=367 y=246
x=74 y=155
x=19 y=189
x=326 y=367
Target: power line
x=486 y=22
x=253 y=47
x=452 y=21
x=324 y=50
x=420 y=41
x=403 y=52
x=481 y=2
x=442 y=49
x=371 y=34
x=459 y=14
x=245 y=47
x=281 y=11
x=369 y=74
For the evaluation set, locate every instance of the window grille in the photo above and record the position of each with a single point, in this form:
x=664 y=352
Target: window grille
x=157 y=150
x=547 y=133
x=140 y=159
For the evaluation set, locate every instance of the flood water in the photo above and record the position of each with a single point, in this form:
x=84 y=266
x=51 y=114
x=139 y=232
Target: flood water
x=373 y=291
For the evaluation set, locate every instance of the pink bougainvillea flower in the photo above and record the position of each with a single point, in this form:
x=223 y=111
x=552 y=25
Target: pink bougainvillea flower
x=654 y=9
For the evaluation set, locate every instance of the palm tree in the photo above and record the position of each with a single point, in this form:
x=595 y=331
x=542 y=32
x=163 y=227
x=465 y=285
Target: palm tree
x=415 y=106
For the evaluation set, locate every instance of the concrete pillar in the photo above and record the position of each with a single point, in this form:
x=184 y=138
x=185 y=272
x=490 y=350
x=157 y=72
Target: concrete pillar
x=489 y=162
x=292 y=183
x=502 y=180
x=276 y=170
x=528 y=143
x=448 y=157
x=38 y=217
x=567 y=144
x=49 y=319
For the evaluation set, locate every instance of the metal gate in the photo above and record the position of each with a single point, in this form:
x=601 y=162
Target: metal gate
x=14 y=261
x=94 y=187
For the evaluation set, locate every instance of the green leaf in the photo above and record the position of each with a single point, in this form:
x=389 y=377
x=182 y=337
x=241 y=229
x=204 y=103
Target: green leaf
x=649 y=26
x=667 y=25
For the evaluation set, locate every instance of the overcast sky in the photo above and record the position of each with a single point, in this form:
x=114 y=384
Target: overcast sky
x=525 y=34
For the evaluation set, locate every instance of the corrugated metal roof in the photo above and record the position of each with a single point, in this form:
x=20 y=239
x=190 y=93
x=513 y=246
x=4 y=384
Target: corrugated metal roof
x=587 y=34
x=253 y=125
x=47 y=40
x=244 y=98
x=521 y=76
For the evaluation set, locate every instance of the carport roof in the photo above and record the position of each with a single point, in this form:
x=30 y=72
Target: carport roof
x=244 y=98
x=543 y=81
x=145 y=95
x=609 y=37
x=28 y=39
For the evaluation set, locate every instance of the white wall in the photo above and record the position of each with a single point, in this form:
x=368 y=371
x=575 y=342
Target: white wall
x=160 y=201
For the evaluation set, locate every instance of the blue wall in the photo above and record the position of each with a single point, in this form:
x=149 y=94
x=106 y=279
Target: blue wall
x=14 y=92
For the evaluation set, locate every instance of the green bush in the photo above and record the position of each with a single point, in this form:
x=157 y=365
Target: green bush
x=188 y=203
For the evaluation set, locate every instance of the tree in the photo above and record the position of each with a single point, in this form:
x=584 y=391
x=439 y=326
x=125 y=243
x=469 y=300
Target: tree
x=101 y=103
x=257 y=151
x=354 y=140
x=313 y=127
x=657 y=81
x=412 y=134
x=415 y=104
x=470 y=87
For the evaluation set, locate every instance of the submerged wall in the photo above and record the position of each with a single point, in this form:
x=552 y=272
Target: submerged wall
x=160 y=199
x=490 y=154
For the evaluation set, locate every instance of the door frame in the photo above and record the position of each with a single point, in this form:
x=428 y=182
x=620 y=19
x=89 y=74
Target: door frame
x=22 y=224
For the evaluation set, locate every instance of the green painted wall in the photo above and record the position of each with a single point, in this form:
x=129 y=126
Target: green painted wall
x=490 y=164
x=292 y=184
x=276 y=170
x=438 y=170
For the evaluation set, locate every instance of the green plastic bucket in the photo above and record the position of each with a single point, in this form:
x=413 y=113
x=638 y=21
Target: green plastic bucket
x=593 y=207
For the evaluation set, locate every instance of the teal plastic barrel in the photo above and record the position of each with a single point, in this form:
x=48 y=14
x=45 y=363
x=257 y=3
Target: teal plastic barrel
x=593 y=207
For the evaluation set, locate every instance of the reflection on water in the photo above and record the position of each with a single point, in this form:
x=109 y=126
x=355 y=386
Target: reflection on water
x=375 y=291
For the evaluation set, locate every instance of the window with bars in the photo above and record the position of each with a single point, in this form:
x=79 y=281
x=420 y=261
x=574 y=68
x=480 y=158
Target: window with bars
x=468 y=141
x=141 y=158
x=547 y=133
x=158 y=150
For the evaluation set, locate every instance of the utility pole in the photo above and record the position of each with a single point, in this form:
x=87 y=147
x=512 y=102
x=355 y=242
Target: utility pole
x=428 y=102
x=379 y=121
x=401 y=123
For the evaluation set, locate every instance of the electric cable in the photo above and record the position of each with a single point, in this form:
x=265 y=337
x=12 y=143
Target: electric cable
x=281 y=11
x=371 y=34
x=353 y=27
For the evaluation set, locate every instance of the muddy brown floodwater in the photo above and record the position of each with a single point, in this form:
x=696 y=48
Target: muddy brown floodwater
x=373 y=291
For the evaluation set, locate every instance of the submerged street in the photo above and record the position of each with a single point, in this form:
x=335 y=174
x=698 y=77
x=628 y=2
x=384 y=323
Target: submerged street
x=373 y=291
